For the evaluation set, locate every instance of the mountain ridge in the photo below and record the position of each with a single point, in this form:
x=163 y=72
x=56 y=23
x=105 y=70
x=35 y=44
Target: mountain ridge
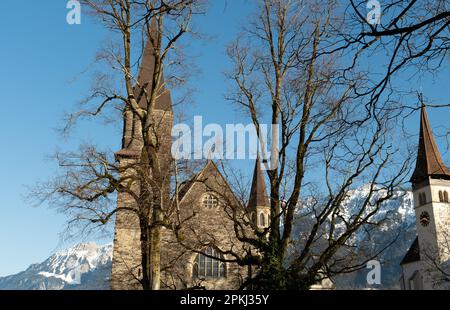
x=66 y=269
x=87 y=266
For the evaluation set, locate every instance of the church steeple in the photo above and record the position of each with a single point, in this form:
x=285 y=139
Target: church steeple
x=429 y=162
x=132 y=135
x=431 y=185
x=258 y=204
x=258 y=193
x=146 y=74
x=127 y=246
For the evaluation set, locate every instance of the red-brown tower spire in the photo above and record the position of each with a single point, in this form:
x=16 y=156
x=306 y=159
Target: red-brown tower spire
x=142 y=90
x=429 y=162
x=147 y=71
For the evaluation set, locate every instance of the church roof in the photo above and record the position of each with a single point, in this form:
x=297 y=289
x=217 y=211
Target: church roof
x=186 y=186
x=146 y=75
x=209 y=173
x=413 y=254
x=258 y=192
x=429 y=161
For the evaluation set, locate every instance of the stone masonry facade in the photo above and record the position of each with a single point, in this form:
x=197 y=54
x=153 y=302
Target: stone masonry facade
x=206 y=204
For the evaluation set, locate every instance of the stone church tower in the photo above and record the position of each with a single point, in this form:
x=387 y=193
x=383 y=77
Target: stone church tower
x=126 y=253
x=431 y=188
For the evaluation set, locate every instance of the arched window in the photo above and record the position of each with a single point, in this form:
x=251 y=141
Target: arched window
x=441 y=197
x=262 y=220
x=445 y=196
x=210 y=201
x=205 y=266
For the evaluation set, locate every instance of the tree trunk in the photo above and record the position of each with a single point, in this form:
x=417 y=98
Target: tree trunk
x=156 y=251
x=145 y=256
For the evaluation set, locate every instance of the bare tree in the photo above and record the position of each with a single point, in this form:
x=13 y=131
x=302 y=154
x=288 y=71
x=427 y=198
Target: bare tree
x=291 y=68
x=408 y=35
x=91 y=179
x=332 y=138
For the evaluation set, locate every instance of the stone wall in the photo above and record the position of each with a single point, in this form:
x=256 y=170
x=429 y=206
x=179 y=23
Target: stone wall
x=126 y=267
x=204 y=228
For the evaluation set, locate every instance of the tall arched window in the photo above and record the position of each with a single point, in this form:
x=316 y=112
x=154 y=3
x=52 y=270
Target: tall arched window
x=206 y=266
x=445 y=196
x=441 y=196
x=210 y=201
x=262 y=220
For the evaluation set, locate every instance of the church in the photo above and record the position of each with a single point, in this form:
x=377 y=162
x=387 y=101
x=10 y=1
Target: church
x=206 y=208
x=190 y=257
x=425 y=262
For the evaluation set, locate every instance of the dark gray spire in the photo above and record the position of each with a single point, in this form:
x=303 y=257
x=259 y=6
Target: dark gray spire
x=258 y=193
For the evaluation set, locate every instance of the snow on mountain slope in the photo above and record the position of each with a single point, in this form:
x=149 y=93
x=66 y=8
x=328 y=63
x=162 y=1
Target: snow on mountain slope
x=397 y=229
x=70 y=264
x=88 y=266
x=66 y=269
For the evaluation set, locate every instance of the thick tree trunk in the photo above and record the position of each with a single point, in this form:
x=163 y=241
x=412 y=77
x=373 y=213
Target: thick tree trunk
x=145 y=256
x=156 y=251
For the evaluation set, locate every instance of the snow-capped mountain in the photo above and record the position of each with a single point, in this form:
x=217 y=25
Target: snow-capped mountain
x=397 y=232
x=394 y=235
x=88 y=266
x=84 y=266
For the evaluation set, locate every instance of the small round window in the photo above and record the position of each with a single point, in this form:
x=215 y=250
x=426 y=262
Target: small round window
x=210 y=201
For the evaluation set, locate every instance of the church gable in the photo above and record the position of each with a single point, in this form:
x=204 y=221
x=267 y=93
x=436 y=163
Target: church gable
x=209 y=181
x=206 y=205
x=207 y=227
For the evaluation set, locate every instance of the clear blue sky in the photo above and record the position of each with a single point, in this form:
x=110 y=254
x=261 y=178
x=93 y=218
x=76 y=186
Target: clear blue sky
x=40 y=55
x=42 y=60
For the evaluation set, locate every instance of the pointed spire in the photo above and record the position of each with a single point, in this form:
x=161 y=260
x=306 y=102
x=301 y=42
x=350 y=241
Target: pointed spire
x=146 y=73
x=429 y=161
x=258 y=193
